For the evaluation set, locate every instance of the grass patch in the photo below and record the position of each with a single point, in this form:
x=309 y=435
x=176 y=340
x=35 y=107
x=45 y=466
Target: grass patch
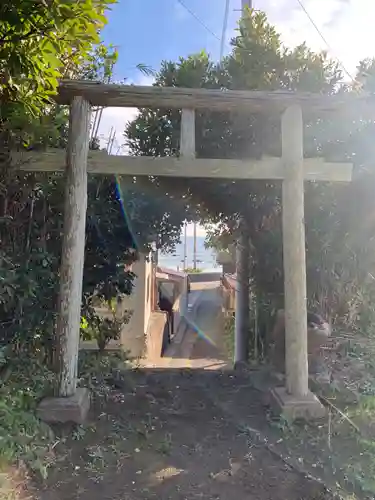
x=341 y=449
x=165 y=445
x=24 y=439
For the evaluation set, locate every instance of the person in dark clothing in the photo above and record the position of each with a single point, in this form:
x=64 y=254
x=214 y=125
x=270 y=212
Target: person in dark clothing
x=166 y=305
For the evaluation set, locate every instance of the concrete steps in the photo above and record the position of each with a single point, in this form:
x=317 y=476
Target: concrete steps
x=181 y=363
x=188 y=350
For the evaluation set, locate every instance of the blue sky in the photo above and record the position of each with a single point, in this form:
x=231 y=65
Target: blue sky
x=148 y=31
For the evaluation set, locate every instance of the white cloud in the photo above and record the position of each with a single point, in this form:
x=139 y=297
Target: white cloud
x=118 y=118
x=190 y=230
x=347 y=25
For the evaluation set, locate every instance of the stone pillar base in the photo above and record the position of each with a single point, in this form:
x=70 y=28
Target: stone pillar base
x=62 y=410
x=294 y=408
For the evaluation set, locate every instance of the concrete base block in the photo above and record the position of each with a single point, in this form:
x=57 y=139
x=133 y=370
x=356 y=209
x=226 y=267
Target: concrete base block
x=62 y=410
x=294 y=408
x=241 y=366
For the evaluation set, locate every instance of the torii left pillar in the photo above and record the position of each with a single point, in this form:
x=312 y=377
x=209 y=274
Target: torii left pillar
x=71 y=404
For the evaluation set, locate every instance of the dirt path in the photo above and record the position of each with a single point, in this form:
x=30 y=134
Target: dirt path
x=162 y=436
x=177 y=434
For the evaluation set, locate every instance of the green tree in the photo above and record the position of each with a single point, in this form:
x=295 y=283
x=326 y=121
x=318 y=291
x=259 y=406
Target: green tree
x=40 y=42
x=31 y=226
x=43 y=41
x=31 y=205
x=259 y=61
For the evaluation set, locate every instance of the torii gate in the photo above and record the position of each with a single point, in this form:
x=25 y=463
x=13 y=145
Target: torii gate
x=292 y=168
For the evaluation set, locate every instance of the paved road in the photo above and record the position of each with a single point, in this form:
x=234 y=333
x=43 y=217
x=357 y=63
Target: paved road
x=202 y=344
x=208 y=322
x=201 y=347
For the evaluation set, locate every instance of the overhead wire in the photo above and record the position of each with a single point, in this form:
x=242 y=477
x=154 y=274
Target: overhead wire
x=320 y=33
x=198 y=19
x=209 y=30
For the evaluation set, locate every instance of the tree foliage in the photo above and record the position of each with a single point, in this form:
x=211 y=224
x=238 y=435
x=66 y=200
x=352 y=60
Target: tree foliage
x=339 y=234
x=43 y=41
x=39 y=43
x=31 y=230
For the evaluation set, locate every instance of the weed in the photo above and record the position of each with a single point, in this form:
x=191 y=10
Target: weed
x=164 y=447
x=79 y=433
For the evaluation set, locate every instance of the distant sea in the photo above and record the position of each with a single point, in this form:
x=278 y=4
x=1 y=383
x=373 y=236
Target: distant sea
x=206 y=258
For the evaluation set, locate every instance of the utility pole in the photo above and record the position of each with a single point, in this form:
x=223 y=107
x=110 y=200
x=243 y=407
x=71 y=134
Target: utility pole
x=185 y=245
x=156 y=255
x=224 y=32
x=195 y=246
x=242 y=317
x=248 y=3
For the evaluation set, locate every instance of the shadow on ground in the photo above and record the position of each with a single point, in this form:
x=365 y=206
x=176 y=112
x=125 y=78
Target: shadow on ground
x=174 y=434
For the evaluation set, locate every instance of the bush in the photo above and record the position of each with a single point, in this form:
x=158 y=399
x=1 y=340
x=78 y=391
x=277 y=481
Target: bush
x=25 y=380
x=191 y=270
x=23 y=437
x=102 y=329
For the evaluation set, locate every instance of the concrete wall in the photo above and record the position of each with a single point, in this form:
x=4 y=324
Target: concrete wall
x=155 y=335
x=139 y=305
x=228 y=292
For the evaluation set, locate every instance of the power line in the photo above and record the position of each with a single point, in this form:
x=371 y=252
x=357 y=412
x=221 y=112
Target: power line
x=193 y=14
x=225 y=26
x=322 y=36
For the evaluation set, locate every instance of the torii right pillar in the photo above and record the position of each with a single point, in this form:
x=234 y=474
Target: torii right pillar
x=295 y=400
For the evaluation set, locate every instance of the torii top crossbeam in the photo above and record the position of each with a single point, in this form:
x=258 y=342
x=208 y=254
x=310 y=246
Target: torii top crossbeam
x=100 y=94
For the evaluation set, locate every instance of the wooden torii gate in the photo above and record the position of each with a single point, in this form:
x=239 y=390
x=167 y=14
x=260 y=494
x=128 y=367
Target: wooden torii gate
x=291 y=168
